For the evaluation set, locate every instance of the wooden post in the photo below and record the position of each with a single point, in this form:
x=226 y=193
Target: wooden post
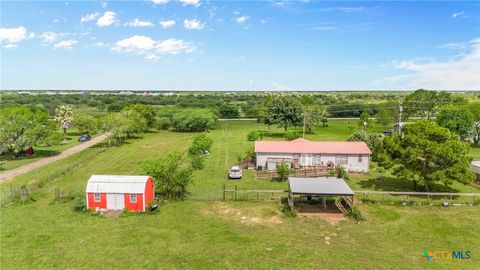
x=223 y=191
x=324 y=201
x=235 y=192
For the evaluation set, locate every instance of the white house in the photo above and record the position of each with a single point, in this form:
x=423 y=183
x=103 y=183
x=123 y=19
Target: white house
x=353 y=156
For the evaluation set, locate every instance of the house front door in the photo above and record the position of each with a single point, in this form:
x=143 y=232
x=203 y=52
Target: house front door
x=115 y=201
x=307 y=160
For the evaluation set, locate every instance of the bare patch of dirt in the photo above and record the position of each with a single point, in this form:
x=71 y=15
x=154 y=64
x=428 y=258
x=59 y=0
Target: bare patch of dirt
x=112 y=213
x=332 y=215
x=244 y=216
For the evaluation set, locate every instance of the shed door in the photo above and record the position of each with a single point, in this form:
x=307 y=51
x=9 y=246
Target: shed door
x=115 y=201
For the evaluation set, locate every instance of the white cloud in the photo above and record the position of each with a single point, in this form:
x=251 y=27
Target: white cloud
x=89 y=17
x=139 y=23
x=10 y=46
x=108 y=18
x=65 y=44
x=167 y=23
x=137 y=43
x=99 y=44
x=193 y=24
x=31 y=35
x=149 y=48
x=458 y=14
x=241 y=19
x=195 y=3
x=48 y=37
x=13 y=35
x=174 y=46
x=159 y=2
x=460 y=73
x=104 y=4
x=263 y=21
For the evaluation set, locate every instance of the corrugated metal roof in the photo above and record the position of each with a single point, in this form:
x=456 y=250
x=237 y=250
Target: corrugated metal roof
x=117 y=183
x=309 y=147
x=319 y=185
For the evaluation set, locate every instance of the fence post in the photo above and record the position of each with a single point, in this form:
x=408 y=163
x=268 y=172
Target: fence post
x=235 y=192
x=224 y=191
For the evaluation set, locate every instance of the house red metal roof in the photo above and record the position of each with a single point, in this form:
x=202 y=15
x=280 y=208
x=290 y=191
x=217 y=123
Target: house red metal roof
x=312 y=147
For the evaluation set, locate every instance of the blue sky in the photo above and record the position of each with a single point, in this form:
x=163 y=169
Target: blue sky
x=240 y=45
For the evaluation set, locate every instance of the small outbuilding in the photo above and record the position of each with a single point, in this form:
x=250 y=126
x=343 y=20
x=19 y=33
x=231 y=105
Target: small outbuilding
x=321 y=188
x=118 y=192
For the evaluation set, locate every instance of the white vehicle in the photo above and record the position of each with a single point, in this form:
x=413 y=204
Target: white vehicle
x=235 y=172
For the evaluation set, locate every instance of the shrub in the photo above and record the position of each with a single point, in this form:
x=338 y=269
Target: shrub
x=291 y=135
x=283 y=171
x=163 y=123
x=355 y=213
x=171 y=174
x=201 y=143
x=79 y=201
x=253 y=136
x=342 y=173
x=193 y=121
x=197 y=162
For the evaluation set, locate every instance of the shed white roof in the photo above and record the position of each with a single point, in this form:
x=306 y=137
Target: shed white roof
x=319 y=185
x=117 y=184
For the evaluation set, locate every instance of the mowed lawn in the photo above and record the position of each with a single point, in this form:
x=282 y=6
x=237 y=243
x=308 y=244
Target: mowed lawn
x=211 y=235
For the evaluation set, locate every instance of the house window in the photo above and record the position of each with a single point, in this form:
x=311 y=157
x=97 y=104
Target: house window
x=133 y=198
x=359 y=158
x=96 y=197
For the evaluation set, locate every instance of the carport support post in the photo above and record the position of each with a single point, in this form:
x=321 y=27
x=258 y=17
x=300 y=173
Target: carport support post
x=324 y=201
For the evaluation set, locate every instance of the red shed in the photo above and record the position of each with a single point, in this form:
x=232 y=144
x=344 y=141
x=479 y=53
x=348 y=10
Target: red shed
x=118 y=192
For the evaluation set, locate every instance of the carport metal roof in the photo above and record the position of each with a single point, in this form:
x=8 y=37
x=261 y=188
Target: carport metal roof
x=319 y=186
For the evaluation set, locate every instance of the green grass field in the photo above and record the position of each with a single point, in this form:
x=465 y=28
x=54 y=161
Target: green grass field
x=211 y=235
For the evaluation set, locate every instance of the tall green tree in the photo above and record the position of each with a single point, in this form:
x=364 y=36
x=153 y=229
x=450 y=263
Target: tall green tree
x=171 y=174
x=229 y=111
x=21 y=128
x=123 y=124
x=427 y=154
x=64 y=117
x=424 y=103
x=146 y=111
x=286 y=111
x=387 y=114
x=365 y=121
x=324 y=118
x=313 y=117
x=456 y=120
x=266 y=114
x=85 y=123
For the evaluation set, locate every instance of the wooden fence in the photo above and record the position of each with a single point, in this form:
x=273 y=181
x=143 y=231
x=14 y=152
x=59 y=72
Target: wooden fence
x=360 y=195
x=366 y=195
x=302 y=172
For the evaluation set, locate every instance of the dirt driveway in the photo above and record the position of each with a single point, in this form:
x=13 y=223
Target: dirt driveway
x=7 y=175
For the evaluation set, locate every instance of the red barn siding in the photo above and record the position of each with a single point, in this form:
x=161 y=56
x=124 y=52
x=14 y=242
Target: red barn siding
x=102 y=203
x=138 y=206
x=149 y=192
